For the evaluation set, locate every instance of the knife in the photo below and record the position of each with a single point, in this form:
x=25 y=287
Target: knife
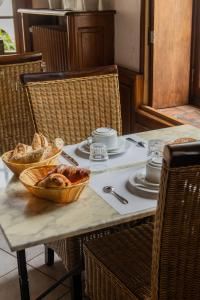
x=69 y=158
x=140 y=144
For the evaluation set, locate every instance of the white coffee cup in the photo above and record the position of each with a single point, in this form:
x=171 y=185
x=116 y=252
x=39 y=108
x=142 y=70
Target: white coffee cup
x=153 y=172
x=106 y=136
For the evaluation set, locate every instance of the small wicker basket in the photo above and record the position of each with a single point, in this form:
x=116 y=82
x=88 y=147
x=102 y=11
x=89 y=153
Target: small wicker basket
x=17 y=168
x=30 y=176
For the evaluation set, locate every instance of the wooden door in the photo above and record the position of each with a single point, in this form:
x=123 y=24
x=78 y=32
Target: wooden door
x=195 y=68
x=171 y=23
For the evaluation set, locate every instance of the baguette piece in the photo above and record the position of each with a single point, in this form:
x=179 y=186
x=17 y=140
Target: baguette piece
x=30 y=157
x=39 y=141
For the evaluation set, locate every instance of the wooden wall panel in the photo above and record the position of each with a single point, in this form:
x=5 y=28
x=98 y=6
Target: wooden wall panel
x=131 y=94
x=91 y=47
x=171 y=52
x=127 y=87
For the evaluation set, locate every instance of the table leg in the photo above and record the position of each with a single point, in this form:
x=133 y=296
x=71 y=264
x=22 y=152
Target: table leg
x=49 y=256
x=23 y=275
x=77 y=287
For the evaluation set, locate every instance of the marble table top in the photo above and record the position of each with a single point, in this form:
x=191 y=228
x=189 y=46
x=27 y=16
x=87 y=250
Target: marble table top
x=28 y=221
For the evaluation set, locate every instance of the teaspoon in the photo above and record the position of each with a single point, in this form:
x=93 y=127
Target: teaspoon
x=110 y=190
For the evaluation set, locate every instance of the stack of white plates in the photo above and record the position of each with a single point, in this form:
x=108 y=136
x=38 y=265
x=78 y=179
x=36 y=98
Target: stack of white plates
x=137 y=184
x=123 y=146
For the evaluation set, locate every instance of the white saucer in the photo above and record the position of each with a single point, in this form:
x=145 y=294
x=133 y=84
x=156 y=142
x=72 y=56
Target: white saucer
x=123 y=146
x=140 y=178
x=138 y=187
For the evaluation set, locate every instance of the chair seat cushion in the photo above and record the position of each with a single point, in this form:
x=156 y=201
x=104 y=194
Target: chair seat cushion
x=127 y=256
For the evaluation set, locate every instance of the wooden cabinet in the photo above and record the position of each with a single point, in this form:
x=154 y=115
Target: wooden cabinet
x=91 y=39
x=74 y=41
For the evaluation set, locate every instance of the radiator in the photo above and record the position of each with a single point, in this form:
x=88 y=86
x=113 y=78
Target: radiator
x=51 y=41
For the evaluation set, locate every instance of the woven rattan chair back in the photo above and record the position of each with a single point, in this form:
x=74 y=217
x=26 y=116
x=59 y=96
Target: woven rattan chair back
x=16 y=124
x=71 y=105
x=176 y=247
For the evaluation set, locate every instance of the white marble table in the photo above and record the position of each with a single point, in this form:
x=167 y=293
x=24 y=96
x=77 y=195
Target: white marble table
x=28 y=221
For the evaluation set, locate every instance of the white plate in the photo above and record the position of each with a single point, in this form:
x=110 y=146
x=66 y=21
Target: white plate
x=123 y=147
x=141 y=190
x=140 y=178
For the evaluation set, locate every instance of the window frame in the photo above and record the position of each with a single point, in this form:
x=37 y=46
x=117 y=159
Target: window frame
x=16 y=4
x=11 y=18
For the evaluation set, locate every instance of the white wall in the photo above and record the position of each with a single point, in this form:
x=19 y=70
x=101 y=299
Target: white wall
x=127 y=32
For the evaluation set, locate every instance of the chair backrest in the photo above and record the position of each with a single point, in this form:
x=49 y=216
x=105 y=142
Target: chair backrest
x=72 y=104
x=176 y=246
x=15 y=116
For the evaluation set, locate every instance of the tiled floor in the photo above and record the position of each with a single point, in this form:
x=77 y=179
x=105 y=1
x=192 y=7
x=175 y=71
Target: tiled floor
x=187 y=114
x=40 y=276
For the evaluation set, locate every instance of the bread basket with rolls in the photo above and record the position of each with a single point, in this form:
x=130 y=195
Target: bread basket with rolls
x=62 y=184
x=39 y=153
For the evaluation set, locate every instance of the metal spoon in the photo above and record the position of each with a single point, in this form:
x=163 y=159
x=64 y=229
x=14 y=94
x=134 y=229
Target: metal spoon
x=110 y=190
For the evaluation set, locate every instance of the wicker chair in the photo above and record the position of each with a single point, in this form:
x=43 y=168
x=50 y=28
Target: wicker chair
x=161 y=261
x=15 y=117
x=70 y=105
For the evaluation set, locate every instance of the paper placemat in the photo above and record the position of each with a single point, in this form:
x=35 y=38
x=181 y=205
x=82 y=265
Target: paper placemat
x=119 y=179
x=134 y=154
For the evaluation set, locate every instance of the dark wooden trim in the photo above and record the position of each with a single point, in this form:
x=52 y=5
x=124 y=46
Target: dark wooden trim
x=195 y=17
x=158 y=114
x=19 y=58
x=48 y=76
x=150 y=121
x=182 y=155
x=150 y=118
x=17 y=22
x=151 y=52
x=131 y=89
x=142 y=35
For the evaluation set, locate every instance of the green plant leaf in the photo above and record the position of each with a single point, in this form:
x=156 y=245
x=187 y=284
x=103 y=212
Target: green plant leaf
x=9 y=45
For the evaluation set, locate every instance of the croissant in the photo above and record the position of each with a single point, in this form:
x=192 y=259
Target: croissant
x=76 y=175
x=54 y=180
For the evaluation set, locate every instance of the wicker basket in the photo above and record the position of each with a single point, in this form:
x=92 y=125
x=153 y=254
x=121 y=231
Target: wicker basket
x=67 y=194
x=17 y=168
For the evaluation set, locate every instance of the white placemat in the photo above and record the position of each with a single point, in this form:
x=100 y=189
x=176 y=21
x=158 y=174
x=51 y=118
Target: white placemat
x=133 y=155
x=119 y=179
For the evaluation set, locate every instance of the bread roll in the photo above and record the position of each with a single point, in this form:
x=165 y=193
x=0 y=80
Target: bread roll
x=182 y=141
x=54 y=180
